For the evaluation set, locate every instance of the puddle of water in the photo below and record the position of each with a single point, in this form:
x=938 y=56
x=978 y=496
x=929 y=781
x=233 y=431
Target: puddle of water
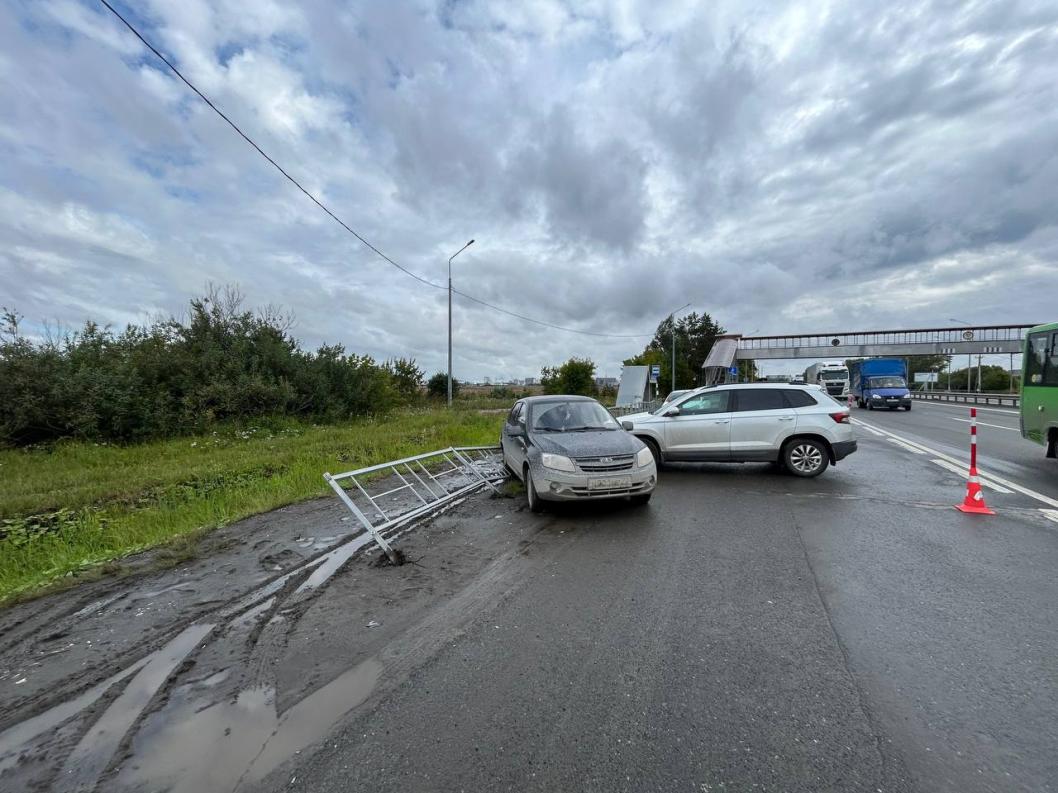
x=333 y=561
x=98 y=605
x=267 y=590
x=181 y=587
x=251 y=616
x=232 y=744
x=93 y=753
x=14 y=741
x=215 y=679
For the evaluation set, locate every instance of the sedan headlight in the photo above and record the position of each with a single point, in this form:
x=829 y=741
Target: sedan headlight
x=558 y=463
x=644 y=458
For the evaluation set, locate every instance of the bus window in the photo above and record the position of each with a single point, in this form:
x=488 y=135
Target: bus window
x=1036 y=360
x=1050 y=372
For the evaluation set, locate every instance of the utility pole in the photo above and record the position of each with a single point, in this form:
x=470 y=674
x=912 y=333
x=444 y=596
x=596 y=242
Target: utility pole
x=979 y=385
x=450 y=318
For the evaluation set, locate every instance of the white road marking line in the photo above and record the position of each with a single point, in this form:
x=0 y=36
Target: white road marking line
x=985 y=424
x=962 y=472
x=963 y=406
x=1012 y=485
x=1050 y=514
x=870 y=429
x=903 y=445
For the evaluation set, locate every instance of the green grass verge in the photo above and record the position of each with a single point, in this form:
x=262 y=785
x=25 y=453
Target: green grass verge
x=68 y=509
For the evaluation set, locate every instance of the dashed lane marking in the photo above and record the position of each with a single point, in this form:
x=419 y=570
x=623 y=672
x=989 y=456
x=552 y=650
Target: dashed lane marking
x=962 y=472
x=1050 y=502
x=984 y=424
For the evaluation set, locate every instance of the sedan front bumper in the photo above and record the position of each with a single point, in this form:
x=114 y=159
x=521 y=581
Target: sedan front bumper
x=552 y=485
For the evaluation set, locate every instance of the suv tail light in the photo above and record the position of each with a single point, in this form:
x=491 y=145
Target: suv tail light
x=841 y=418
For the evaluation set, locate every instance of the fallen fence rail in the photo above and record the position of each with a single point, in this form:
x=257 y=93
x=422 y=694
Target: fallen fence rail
x=427 y=482
x=969 y=398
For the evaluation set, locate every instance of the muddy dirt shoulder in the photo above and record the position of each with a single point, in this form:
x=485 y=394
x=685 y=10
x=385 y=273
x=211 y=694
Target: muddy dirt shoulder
x=278 y=653
x=68 y=634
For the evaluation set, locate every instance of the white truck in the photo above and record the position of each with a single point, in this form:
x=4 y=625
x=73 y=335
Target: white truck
x=831 y=377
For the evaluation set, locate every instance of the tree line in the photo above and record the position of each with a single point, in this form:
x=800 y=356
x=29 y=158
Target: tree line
x=177 y=376
x=694 y=334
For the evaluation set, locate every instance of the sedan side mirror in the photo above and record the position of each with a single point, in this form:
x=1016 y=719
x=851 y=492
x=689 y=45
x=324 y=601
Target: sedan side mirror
x=673 y=411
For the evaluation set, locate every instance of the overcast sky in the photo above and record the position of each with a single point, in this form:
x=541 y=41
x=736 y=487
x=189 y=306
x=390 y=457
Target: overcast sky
x=785 y=167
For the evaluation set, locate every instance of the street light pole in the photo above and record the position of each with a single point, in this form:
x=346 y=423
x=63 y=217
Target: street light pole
x=672 y=318
x=450 y=318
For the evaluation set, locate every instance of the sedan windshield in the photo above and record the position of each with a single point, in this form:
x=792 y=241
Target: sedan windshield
x=572 y=416
x=887 y=382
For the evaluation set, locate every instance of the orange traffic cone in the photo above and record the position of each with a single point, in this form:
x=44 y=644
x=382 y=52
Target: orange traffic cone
x=975 y=499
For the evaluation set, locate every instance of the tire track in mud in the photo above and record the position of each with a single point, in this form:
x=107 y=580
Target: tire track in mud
x=114 y=709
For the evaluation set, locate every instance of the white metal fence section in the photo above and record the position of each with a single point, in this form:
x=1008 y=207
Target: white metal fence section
x=642 y=407
x=384 y=496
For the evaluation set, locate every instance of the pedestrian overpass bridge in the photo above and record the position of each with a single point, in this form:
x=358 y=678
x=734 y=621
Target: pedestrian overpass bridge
x=974 y=340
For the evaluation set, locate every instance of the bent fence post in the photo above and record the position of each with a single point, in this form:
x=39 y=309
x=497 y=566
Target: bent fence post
x=447 y=474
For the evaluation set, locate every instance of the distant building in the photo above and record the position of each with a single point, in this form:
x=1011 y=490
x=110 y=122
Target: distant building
x=529 y=381
x=606 y=382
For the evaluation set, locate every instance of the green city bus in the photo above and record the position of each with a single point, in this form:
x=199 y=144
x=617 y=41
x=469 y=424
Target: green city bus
x=1039 y=387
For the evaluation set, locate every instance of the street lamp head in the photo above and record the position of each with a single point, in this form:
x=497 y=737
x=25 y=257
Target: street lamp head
x=470 y=243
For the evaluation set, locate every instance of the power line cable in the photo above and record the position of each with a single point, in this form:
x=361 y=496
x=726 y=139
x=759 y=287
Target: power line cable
x=333 y=216
x=548 y=324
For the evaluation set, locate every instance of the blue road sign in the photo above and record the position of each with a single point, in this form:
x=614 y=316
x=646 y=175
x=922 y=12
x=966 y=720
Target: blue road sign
x=655 y=373
x=733 y=370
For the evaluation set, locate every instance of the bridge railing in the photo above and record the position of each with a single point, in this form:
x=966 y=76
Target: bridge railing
x=969 y=398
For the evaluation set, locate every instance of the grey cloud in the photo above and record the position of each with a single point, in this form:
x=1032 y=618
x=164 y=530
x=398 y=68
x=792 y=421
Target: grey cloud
x=588 y=191
x=768 y=167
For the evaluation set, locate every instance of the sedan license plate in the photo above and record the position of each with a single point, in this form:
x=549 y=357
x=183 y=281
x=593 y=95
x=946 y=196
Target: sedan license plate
x=610 y=483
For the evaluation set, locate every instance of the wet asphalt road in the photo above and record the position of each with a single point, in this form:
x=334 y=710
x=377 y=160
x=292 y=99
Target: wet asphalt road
x=1001 y=449
x=745 y=631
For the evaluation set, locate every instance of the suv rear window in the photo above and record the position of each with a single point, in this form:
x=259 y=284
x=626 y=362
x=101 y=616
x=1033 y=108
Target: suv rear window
x=759 y=399
x=798 y=399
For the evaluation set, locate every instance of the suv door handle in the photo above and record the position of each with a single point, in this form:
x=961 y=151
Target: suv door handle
x=721 y=421
x=786 y=418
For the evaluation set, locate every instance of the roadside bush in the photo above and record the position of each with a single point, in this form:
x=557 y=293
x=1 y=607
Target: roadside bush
x=575 y=376
x=407 y=379
x=437 y=387
x=176 y=377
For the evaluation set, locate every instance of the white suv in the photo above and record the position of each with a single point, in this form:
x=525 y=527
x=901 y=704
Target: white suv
x=798 y=427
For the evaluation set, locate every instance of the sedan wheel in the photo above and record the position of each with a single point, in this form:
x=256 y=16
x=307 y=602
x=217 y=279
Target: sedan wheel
x=535 y=504
x=806 y=457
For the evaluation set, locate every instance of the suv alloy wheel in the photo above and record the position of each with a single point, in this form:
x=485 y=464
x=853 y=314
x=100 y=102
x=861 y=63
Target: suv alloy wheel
x=805 y=457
